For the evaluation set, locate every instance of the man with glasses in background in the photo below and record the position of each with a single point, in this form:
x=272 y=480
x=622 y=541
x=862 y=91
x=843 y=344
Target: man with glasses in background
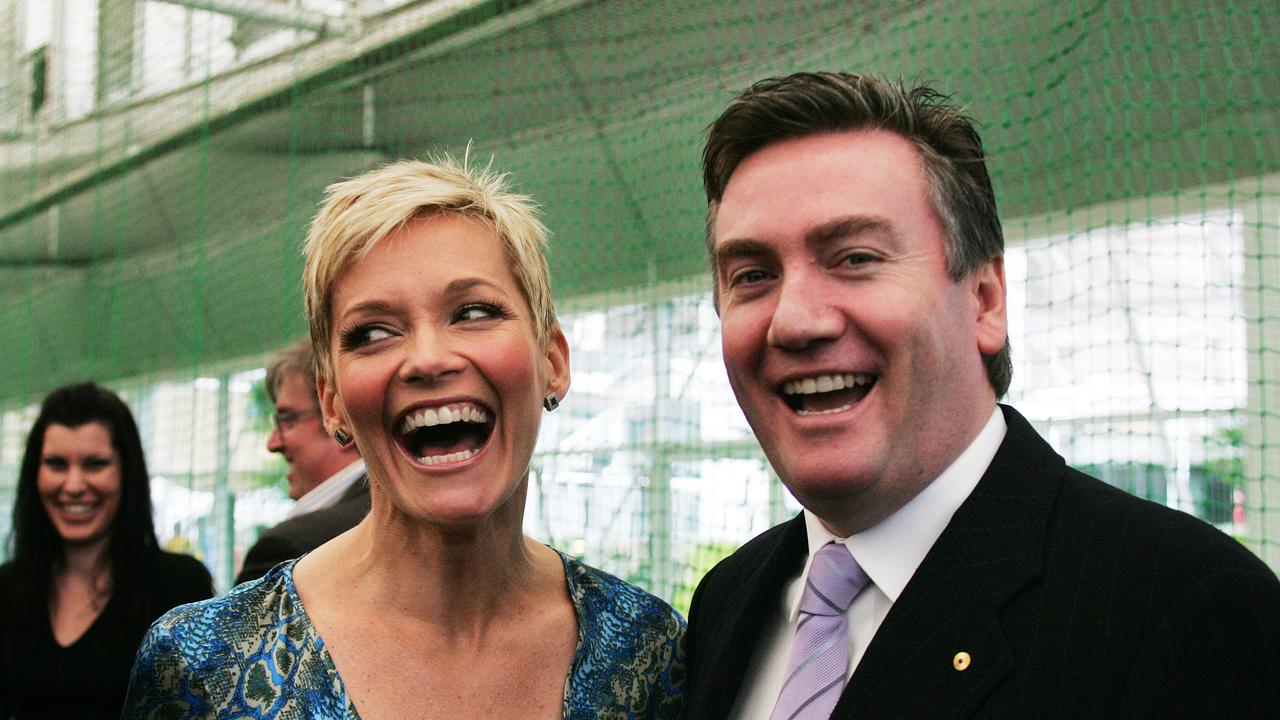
x=326 y=476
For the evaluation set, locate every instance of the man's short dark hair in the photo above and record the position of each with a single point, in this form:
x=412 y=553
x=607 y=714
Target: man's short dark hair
x=297 y=359
x=950 y=150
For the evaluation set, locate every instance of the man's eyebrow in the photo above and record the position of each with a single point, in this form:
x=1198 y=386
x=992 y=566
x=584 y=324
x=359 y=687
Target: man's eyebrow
x=737 y=248
x=830 y=231
x=849 y=226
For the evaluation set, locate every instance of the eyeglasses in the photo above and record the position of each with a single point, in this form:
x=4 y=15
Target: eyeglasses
x=287 y=419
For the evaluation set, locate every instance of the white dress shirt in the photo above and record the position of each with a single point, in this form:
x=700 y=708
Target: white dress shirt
x=890 y=552
x=329 y=492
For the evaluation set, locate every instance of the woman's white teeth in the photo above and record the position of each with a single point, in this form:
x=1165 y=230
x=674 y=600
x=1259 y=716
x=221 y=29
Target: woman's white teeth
x=825 y=383
x=78 y=509
x=429 y=417
x=450 y=458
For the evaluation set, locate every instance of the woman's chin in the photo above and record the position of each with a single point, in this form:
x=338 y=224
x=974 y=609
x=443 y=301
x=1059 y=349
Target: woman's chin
x=80 y=536
x=457 y=512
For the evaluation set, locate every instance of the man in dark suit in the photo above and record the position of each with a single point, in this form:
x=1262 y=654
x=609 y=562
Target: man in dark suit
x=947 y=564
x=326 y=475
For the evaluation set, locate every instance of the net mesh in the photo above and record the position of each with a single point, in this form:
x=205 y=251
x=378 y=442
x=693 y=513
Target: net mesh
x=159 y=162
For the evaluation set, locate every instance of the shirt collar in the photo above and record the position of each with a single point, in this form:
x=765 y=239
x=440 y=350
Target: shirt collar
x=891 y=551
x=327 y=493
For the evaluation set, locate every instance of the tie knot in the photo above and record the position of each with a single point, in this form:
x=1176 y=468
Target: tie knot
x=835 y=578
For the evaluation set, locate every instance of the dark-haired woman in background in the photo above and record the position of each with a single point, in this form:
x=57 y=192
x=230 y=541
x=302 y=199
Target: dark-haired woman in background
x=86 y=576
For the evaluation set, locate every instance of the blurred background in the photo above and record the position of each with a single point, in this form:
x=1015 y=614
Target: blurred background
x=160 y=159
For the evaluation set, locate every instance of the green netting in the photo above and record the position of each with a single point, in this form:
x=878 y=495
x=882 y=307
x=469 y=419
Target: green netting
x=159 y=162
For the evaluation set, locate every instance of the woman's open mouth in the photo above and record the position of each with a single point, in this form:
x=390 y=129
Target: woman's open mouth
x=78 y=511
x=446 y=434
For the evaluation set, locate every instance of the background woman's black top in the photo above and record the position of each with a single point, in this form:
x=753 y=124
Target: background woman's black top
x=88 y=679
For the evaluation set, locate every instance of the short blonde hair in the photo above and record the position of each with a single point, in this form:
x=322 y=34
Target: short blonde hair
x=360 y=212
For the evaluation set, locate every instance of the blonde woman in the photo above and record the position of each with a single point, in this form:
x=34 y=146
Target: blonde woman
x=438 y=350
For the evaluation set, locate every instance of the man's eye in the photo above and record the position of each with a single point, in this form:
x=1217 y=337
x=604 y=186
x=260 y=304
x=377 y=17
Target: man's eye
x=749 y=277
x=859 y=259
x=363 y=335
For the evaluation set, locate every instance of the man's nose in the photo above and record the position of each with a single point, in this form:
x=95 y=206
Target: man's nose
x=275 y=443
x=804 y=314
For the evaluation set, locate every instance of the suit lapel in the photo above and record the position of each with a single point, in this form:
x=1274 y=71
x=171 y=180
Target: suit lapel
x=761 y=589
x=992 y=547
x=356 y=489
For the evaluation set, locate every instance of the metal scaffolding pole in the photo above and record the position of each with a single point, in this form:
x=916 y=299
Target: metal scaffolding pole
x=266 y=12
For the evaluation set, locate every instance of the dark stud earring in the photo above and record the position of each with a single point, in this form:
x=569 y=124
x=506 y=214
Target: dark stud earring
x=342 y=437
x=551 y=402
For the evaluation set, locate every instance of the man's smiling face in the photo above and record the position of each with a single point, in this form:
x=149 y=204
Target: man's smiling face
x=854 y=355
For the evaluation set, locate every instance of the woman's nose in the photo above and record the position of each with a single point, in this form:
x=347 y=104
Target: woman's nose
x=75 y=480
x=429 y=357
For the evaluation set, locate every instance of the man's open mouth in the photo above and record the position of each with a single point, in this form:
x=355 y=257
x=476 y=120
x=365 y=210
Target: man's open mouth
x=825 y=394
x=446 y=434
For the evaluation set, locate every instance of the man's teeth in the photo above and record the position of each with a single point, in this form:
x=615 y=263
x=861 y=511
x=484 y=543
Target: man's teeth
x=429 y=417
x=450 y=458
x=825 y=383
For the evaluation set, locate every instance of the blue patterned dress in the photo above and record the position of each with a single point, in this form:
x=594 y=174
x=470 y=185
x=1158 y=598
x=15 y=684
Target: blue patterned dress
x=254 y=653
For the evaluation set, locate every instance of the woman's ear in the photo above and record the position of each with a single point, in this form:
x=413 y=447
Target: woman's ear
x=557 y=352
x=334 y=415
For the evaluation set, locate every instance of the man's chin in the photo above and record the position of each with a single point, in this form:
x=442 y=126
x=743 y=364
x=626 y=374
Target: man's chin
x=829 y=493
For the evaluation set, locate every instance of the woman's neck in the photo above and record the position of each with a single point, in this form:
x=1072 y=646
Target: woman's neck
x=456 y=579
x=80 y=592
x=87 y=561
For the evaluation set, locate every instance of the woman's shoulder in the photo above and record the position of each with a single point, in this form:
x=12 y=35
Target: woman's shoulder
x=180 y=568
x=176 y=580
x=253 y=647
x=630 y=660
x=235 y=622
x=179 y=563
x=9 y=585
x=602 y=593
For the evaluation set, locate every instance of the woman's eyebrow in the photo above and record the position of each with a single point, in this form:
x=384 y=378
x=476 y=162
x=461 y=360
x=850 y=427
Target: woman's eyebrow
x=367 y=306
x=462 y=285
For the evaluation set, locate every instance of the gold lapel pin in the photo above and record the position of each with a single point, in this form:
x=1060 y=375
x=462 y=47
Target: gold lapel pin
x=961 y=661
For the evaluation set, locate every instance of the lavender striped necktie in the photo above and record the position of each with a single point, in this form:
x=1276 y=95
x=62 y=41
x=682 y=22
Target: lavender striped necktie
x=820 y=654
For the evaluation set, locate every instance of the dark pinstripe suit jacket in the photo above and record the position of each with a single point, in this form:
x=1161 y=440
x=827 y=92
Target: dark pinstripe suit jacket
x=1073 y=599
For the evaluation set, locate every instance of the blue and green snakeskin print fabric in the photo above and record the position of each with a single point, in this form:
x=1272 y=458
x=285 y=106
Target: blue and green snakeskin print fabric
x=254 y=653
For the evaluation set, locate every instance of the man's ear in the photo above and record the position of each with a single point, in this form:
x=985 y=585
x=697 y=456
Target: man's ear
x=335 y=416
x=557 y=356
x=989 y=292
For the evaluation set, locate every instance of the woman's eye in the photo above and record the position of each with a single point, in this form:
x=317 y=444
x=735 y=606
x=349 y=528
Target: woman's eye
x=96 y=463
x=477 y=311
x=363 y=335
x=55 y=463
